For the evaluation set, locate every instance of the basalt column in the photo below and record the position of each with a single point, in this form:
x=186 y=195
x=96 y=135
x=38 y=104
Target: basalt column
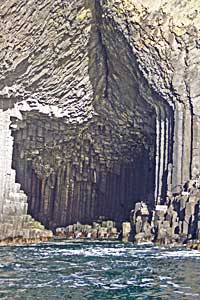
x=79 y=173
x=127 y=90
x=16 y=226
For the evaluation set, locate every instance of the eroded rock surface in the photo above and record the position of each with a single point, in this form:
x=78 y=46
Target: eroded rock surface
x=16 y=226
x=104 y=102
x=97 y=230
x=177 y=221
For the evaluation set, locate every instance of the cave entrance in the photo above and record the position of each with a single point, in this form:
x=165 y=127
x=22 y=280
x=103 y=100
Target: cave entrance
x=80 y=173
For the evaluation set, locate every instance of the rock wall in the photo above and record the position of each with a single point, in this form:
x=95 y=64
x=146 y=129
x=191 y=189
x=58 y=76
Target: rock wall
x=164 y=39
x=15 y=224
x=85 y=144
x=105 y=95
x=175 y=222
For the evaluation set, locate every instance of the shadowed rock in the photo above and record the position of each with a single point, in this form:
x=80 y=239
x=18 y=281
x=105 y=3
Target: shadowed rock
x=104 y=103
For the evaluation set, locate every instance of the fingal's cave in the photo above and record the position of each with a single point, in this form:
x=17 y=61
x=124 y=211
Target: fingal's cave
x=99 y=112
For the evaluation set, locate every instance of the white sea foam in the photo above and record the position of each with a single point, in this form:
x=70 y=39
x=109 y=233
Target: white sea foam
x=173 y=284
x=179 y=254
x=124 y=269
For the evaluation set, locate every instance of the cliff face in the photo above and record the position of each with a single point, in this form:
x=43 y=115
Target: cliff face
x=15 y=225
x=103 y=97
x=164 y=39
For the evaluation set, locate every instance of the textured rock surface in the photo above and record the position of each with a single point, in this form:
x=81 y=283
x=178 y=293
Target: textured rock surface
x=105 y=101
x=15 y=225
x=84 y=146
x=164 y=39
x=98 y=230
x=175 y=222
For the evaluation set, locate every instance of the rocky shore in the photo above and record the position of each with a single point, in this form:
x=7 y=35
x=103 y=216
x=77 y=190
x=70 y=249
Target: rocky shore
x=175 y=222
x=23 y=230
x=25 y=241
x=98 y=230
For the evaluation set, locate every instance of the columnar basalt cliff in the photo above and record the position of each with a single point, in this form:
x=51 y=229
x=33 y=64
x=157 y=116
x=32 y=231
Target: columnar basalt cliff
x=15 y=225
x=103 y=104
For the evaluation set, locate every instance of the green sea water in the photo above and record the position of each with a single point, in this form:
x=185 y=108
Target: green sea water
x=98 y=271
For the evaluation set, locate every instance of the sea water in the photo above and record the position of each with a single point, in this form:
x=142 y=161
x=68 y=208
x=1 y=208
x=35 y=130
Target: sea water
x=98 y=271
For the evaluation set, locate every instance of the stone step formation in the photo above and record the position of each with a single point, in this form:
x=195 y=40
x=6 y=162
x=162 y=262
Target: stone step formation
x=97 y=230
x=16 y=226
x=175 y=222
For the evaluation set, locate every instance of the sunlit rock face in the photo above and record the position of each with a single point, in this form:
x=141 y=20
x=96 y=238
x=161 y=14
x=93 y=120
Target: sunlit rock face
x=104 y=103
x=16 y=226
x=164 y=37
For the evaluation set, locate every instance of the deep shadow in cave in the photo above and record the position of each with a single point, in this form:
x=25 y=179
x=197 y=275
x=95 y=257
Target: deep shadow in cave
x=79 y=172
x=71 y=176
